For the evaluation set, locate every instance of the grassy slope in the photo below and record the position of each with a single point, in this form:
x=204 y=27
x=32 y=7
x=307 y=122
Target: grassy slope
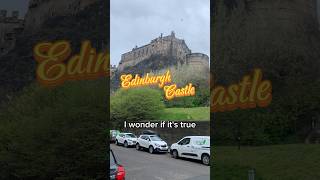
x=192 y=114
x=285 y=162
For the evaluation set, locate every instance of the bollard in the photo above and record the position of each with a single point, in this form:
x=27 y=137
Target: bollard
x=251 y=174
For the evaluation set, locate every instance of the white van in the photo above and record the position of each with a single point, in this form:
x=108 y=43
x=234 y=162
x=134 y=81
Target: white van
x=193 y=147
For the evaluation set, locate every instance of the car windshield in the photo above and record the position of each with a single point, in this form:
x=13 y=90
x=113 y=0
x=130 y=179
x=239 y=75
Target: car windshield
x=130 y=136
x=202 y=141
x=155 y=138
x=112 y=160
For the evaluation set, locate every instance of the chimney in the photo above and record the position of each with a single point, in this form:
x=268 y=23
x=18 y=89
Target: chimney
x=3 y=13
x=15 y=14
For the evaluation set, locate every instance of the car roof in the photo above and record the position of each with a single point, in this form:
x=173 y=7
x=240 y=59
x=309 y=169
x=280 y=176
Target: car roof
x=197 y=137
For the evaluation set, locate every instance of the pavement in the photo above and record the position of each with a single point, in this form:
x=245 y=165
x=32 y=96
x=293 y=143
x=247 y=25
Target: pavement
x=140 y=165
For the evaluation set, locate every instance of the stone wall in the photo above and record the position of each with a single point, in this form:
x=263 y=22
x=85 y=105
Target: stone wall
x=41 y=10
x=198 y=60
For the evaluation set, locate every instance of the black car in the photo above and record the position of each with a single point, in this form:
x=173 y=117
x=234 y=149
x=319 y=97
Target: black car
x=117 y=171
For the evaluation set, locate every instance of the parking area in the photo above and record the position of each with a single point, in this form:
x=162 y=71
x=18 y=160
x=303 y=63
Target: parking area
x=140 y=165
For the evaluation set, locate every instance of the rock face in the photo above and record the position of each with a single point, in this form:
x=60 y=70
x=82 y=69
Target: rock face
x=17 y=67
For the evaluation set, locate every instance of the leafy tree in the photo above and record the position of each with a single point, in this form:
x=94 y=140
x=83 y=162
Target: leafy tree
x=136 y=104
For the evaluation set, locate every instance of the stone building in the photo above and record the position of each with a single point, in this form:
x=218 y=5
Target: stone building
x=167 y=46
x=41 y=10
x=9 y=27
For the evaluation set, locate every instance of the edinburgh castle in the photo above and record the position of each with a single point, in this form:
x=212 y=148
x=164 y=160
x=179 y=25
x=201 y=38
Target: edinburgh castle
x=168 y=46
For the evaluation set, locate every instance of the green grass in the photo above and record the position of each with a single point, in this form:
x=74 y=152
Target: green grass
x=192 y=114
x=285 y=162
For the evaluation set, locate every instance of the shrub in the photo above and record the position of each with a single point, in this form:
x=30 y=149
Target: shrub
x=136 y=104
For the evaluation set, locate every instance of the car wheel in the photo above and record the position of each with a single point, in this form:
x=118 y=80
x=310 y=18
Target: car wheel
x=151 y=149
x=175 y=154
x=137 y=147
x=125 y=144
x=205 y=159
x=117 y=143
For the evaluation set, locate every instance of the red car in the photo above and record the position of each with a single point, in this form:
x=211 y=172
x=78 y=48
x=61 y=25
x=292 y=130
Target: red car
x=117 y=171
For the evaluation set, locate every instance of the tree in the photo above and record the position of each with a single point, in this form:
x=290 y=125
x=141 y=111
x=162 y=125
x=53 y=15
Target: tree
x=135 y=105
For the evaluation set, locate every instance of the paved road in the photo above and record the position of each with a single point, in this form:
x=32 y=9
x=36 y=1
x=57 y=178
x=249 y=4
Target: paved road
x=140 y=165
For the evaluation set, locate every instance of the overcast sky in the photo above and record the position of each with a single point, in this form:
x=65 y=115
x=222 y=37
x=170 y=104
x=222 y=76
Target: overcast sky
x=15 y=5
x=137 y=22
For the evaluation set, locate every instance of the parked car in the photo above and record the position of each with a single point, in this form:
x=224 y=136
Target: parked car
x=193 y=147
x=151 y=142
x=117 y=172
x=127 y=139
x=150 y=132
x=113 y=135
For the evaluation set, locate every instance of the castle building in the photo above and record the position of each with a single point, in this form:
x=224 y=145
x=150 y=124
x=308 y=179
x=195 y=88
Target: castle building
x=164 y=45
x=41 y=10
x=9 y=27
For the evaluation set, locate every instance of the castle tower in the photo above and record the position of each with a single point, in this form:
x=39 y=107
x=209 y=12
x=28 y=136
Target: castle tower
x=198 y=60
x=173 y=34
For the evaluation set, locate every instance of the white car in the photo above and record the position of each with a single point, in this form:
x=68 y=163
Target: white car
x=151 y=142
x=193 y=147
x=127 y=139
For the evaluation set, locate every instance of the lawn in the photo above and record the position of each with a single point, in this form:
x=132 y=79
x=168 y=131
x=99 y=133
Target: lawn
x=191 y=114
x=285 y=162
